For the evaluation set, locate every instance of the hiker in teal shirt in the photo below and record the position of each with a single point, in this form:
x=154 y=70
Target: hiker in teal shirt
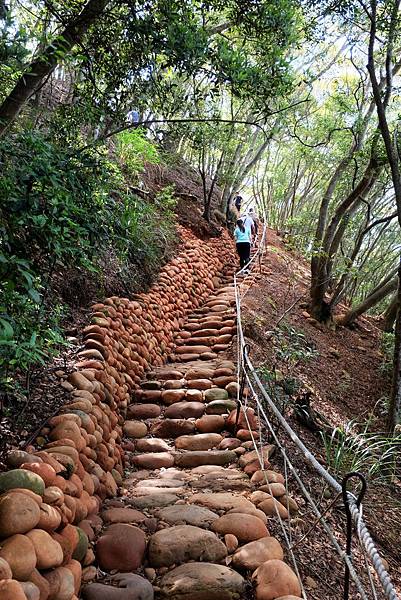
x=242 y=237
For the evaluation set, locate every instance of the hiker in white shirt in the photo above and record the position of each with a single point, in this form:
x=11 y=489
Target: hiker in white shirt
x=249 y=224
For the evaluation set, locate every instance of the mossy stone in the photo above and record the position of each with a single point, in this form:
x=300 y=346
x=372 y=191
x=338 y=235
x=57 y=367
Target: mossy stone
x=21 y=478
x=82 y=546
x=215 y=394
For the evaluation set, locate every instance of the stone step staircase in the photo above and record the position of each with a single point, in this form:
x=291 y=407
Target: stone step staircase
x=193 y=519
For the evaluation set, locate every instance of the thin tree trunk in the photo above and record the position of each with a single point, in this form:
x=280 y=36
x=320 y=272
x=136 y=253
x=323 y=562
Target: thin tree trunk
x=394 y=412
x=378 y=294
x=321 y=273
x=31 y=80
x=390 y=314
x=381 y=102
x=208 y=201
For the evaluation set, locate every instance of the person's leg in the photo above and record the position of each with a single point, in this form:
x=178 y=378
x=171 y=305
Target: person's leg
x=239 y=252
x=241 y=249
x=247 y=252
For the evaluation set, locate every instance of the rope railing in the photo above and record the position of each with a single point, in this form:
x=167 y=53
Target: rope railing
x=246 y=370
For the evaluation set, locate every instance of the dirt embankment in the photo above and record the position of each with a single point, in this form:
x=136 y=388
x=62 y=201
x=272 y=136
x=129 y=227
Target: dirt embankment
x=340 y=374
x=343 y=368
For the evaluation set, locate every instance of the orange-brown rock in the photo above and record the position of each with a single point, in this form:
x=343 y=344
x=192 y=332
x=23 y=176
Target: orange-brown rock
x=200 y=384
x=185 y=410
x=70 y=533
x=275 y=578
x=243 y=419
x=18 y=513
x=182 y=350
x=271 y=507
x=49 y=553
x=66 y=546
x=121 y=547
x=202 y=441
x=44 y=589
x=252 y=555
x=46 y=472
x=246 y=528
x=5 y=569
x=144 y=411
x=172 y=396
x=267 y=476
x=80 y=382
x=11 y=590
x=135 y=429
x=19 y=552
x=199 y=372
x=61 y=583
x=50 y=518
x=210 y=424
x=76 y=569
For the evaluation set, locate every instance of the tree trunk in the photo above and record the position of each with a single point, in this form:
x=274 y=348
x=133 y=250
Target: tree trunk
x=390 y=314
x=374 y=298
x=31 y=80
x=322 y=264
x=381 y=102
x=208 y=200
x=394 y=413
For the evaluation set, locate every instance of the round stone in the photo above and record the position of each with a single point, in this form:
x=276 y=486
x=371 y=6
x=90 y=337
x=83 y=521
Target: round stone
x=256 y=553
x=202 y=441
x=185 y=410
x=121 y=547
x=275 y=578
x=246 y=528
x=19 y=513
x=135 y=429
x=191 y=515
x=152 y=445
x=183 y=543
x=49 y=553
x=19 y=552
x=155 y=460
x=210 y=423
x=202 y=581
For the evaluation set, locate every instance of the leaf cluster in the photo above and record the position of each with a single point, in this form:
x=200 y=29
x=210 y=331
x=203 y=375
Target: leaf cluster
x=63 y=209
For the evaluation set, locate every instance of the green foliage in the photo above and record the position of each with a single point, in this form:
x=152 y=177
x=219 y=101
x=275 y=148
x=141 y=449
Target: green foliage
x=291 y=345
x=353 y=448
x=387 y=348
x=64 y=209
x=134 y=150
x=165 y=199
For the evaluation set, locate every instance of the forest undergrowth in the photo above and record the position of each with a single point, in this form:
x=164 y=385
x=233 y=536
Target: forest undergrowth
x=332 y=385
x=141 y=198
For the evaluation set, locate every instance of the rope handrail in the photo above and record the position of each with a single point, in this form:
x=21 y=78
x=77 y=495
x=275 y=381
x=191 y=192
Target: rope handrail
x=244 y=363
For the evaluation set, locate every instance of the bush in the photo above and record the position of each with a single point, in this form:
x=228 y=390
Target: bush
x=134 y=150
x=387 y=348
x=291 y=345
x=60 y=209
